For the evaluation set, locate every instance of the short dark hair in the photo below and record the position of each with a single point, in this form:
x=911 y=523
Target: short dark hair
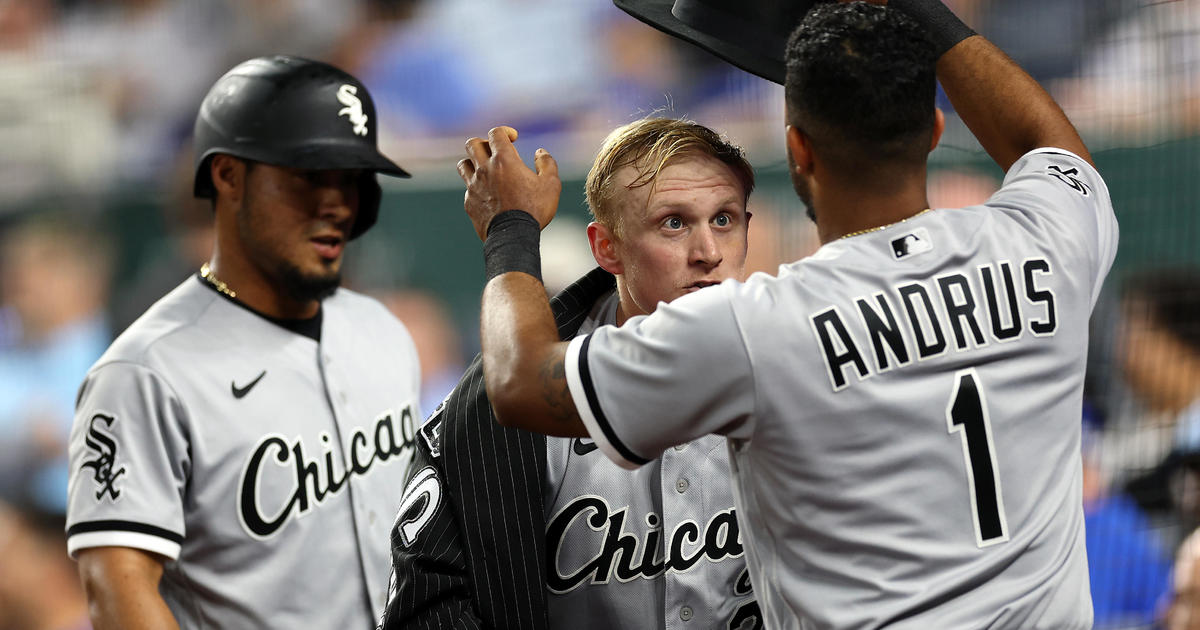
x=861 y=83
x=1170 y=297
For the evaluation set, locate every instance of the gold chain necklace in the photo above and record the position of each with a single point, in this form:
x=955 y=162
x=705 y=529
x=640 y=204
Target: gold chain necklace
x=208 y=275
x=880 y=227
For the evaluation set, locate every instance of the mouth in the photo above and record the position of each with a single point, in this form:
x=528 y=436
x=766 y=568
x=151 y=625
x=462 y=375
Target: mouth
x=328 y=246
x=699 y=284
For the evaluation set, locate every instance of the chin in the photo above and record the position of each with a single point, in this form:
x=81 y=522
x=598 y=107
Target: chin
x=304 y=287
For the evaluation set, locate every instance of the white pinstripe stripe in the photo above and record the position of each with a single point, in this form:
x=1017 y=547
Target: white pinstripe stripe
x=461 y=462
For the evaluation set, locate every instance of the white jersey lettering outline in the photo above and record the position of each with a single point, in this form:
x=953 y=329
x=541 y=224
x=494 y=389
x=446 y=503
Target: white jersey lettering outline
x=946 y=303
x=719 y=539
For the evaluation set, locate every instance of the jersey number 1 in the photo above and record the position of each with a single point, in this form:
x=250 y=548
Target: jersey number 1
x=967 y=415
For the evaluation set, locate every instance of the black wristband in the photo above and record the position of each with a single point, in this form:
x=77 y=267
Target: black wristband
x=513 y=243
x=945 y=29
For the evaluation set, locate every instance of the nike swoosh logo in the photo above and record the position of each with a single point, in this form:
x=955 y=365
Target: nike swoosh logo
x=239 y=392
x=583 y=448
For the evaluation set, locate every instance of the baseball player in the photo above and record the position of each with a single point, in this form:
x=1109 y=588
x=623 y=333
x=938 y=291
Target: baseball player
x=235 y=451
x=653 y=548
x=902 y=408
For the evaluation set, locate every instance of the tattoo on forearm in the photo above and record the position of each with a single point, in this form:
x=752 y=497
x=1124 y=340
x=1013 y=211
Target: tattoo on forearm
x=555 y=390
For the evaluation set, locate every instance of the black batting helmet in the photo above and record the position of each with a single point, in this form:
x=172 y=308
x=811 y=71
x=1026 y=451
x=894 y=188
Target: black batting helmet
x=750 y=34
x=293 y=112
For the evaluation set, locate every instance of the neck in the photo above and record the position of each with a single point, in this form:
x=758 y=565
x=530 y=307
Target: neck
x=626 y=307
x=843 y=209
x=253 y=288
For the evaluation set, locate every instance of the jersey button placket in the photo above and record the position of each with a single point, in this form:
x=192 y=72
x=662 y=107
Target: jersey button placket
x=685 y=613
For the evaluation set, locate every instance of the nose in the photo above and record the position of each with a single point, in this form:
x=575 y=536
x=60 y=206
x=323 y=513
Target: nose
x=337 y=198
x=705 y=251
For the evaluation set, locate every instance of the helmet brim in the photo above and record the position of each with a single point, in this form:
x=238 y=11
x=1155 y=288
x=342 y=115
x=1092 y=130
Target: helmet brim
x=757 y=48
x=338 y=155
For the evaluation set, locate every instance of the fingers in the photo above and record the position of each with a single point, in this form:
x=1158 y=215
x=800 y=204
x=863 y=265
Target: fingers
x=545 y=163
x=466 y=168
x=504 y=130
x=501 y=138
x=478 y=151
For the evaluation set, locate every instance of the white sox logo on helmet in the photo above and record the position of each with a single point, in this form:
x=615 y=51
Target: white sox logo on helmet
x=353 y=110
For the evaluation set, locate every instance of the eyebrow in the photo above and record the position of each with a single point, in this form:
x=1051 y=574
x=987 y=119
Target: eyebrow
x=653 y=208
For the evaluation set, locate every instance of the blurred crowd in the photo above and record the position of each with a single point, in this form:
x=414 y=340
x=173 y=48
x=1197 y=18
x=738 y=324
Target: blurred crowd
x=121 y=79
x=97 y=99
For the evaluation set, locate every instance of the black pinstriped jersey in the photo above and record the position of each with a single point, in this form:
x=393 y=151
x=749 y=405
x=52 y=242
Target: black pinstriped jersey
x=468 y=544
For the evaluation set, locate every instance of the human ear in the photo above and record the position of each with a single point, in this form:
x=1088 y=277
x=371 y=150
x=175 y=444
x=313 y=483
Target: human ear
x=228 y=175
x=604 y=248
x=800 y=149
x=939 y=125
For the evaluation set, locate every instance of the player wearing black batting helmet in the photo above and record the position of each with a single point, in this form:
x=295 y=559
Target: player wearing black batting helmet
x=320 y=118
x=236 y=450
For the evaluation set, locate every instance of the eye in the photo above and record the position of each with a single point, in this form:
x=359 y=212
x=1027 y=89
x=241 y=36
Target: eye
x=673 y=223
x=310 y=178
x=333 y=178
x=723 y=220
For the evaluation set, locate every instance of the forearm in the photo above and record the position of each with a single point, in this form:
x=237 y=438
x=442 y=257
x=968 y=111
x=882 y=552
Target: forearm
x=523 y=358
x=1005 y=108
x=131 y=611
x=122 y=590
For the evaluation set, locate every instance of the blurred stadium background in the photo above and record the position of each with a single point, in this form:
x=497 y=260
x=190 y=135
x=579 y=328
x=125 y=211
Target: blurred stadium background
x=97 y=100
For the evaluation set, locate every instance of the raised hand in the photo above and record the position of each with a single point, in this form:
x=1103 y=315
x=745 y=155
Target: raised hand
x=497 y=180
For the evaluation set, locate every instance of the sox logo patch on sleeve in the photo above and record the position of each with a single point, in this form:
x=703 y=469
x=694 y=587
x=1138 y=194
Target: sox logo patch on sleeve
x=103 y=465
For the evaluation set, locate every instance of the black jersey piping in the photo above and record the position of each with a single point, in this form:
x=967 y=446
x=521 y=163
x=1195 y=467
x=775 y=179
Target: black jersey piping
x=585 y=377
x=123 y=526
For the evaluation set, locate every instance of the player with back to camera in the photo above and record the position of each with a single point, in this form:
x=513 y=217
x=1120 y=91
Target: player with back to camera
x=904 y=421
x=235 y=451
x=669 y=201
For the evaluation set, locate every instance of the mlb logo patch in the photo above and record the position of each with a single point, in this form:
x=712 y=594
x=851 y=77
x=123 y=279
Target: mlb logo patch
x=911 y=244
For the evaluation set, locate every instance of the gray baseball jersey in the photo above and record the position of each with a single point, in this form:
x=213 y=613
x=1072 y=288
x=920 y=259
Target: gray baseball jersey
x=657 y=547
x=902 y=409
x=261 y=463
